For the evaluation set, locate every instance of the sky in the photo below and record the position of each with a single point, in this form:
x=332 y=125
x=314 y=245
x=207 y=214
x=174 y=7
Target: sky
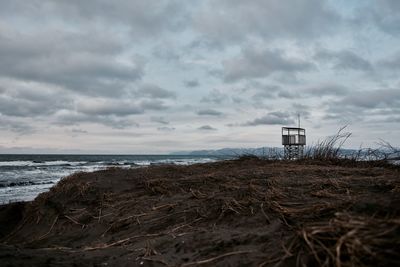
x=153 y=77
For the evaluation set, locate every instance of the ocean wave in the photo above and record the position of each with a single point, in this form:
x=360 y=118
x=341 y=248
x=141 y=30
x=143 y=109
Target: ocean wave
x=24 y=183
x=22 y=163
x=64 y=163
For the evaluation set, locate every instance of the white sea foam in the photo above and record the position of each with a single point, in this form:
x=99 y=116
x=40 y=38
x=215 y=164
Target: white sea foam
x=22 y=163
x=22 y=193
x=15 y=163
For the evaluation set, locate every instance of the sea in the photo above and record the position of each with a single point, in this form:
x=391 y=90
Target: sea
x=23 y=177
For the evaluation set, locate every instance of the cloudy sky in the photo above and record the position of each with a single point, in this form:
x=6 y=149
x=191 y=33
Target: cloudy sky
x=99 y=76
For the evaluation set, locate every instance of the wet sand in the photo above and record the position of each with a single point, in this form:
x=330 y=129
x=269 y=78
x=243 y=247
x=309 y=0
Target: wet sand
x=246 y=212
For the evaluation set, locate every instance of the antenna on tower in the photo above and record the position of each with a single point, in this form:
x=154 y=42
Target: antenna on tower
x=298 y=119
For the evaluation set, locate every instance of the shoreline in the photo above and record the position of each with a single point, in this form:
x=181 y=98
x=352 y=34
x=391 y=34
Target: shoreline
x=23 y=177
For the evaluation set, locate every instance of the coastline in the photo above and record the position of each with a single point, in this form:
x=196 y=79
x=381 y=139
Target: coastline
x=236 y=212
x=24 y=177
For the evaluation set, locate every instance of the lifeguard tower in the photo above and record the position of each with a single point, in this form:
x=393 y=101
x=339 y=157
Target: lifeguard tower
x=293 y=141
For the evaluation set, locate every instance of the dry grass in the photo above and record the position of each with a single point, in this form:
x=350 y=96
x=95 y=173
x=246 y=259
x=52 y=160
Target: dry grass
x=244 y=212
x=328 y=149
x=352 y=240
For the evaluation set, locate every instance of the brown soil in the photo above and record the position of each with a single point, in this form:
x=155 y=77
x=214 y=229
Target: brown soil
x=246 y=212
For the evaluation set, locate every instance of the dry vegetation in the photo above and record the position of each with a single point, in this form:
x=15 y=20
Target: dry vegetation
x=330 y=149
x=245 y=212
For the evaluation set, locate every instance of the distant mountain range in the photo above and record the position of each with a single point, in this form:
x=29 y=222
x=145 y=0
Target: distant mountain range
x=261 y=151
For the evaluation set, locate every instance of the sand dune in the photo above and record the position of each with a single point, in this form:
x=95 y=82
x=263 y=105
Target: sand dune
x=246 y=212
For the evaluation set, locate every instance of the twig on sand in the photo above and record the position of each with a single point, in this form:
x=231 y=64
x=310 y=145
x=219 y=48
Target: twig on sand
x=119 y=242
x=58 y=248
x=263 y=212
x=100 y=213
x=183 y=225
x=101 y=216
x=217 y=257
x=167 y=216
x=279 y=260
x=197 y=194
x=164 y=206
x=51 y=228
x=136 y=216
x=74 y=221
x=155 y=260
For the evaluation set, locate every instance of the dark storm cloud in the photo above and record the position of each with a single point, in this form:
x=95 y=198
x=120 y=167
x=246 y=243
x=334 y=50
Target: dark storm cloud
x=373 y=98
x=116 y=123
x=119 y=108
x=315 y=91
x=84 y=63
x=225 y=21
x=209 y=112
x=273 y=92
x=326 y=90
x=384 y=14
x=112 y=112
x=78 y=131
x=153 y=104
x=160 y=120
x=264 y=91
x=344 y=60
x=191 y=83
x=109 y=107
x=393 y=119
x=166 y=129
x=142 y=18
x=15 y=126
x=21 y=108
x=166 y=52
x=392 y=62
x=272 y=118
x=259 y=63
x=359 y=103
x=214 y=97
x=206 y=128
x=74 y=118
x=60 y=68
x=288 y=94
x=26 y=101
x=388 y=17
x=154 y=91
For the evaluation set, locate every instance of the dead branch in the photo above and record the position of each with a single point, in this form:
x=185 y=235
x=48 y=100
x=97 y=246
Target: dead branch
x=218 y=257
x=120 y=242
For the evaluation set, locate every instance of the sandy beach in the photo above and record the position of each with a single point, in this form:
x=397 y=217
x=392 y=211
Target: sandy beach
x=246 y=212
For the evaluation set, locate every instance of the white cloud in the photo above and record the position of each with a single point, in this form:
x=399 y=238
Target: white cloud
x=259 y=63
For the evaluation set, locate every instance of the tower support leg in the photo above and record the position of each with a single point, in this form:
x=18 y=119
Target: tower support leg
x=293 y=151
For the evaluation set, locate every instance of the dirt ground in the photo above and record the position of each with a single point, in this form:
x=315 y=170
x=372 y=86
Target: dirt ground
x=246 y=212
